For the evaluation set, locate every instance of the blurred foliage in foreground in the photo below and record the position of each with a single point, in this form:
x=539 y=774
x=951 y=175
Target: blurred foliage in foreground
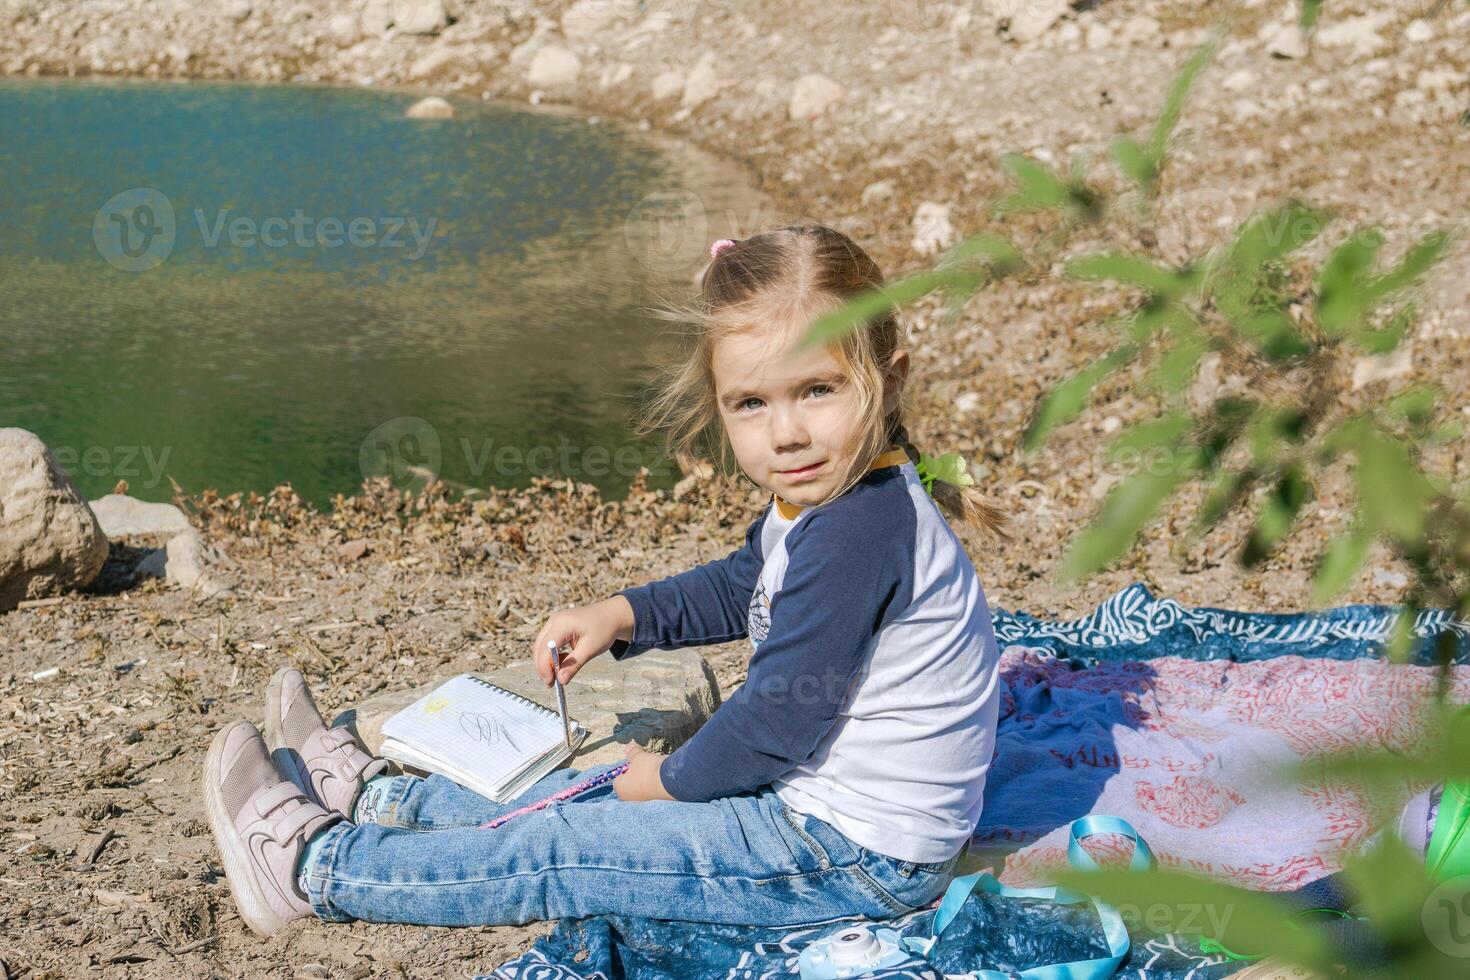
x=1293 y=328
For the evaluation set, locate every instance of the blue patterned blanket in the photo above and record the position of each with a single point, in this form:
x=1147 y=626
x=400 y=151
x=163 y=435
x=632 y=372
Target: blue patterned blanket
x=1007 y=934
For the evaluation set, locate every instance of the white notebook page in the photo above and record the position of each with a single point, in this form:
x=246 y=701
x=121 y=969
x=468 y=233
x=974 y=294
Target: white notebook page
x=477 y=727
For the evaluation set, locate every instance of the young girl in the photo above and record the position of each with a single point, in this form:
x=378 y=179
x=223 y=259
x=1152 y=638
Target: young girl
x=842 y=778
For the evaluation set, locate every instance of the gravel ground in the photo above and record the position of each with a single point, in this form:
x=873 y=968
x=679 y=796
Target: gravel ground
x=108 y=865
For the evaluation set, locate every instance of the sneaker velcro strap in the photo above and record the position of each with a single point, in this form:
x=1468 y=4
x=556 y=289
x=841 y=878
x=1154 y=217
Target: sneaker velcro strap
x=294 y=822
x=335 y=738
x=270 y=799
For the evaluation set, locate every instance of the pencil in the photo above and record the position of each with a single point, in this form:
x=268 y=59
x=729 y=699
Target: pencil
x=561 y=697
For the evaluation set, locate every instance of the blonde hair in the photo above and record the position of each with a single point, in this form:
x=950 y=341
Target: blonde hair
x=791 y=275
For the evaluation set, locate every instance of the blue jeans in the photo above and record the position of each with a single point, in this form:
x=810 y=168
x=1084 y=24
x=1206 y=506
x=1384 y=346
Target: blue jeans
x=745 y=860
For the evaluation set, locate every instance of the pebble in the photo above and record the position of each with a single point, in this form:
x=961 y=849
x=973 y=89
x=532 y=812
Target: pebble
x=554 y=66
x=933 y=230
x=812 y=95
x=1419 y=31
x=1287 y=41
x=1239 y=80
x=667 y=84
x=1098 y=36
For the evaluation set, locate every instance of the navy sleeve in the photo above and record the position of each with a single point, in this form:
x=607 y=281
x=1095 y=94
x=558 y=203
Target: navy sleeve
x=707 y=604
x=845 y=580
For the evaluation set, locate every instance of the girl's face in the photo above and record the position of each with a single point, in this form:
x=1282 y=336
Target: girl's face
x=794 y=419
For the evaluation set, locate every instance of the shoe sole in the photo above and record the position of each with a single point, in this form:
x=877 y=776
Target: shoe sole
x=249 y=898
x=287 y=760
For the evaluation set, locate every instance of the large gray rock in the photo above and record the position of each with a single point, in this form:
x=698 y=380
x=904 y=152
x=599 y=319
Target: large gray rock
x=658 y=699
x=49 y=538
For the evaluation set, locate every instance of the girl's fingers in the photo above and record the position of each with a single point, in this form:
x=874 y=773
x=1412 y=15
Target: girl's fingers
x=572 y=662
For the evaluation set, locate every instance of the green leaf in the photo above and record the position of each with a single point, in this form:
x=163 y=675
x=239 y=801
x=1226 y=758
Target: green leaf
x=1249 y=923
x=1225 y=491
x=1392 y=885
x=1343 y=297
x=1068 y=398
x=1165 y=431
x=1391 y=334
x=1135 y=161
x=1393 y=491
x=1417 y=404
x=1040 y=188
x=1176 y=367
x=1416 y=262
x=1340 y=562
x=1310 y=11
x=1292 y=490
x=1128 y=507
x=1178 y=92
x=874 y=303
x=1127 y=268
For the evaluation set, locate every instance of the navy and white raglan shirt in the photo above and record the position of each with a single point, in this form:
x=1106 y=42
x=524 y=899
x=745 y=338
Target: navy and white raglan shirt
x=871 y=697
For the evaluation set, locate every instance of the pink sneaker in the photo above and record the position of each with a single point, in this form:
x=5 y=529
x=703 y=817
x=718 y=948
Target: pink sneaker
x=329 y=764
x=261 y=823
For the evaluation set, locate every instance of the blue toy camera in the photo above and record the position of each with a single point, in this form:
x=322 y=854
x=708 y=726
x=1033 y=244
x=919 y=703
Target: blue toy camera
x=851 y=952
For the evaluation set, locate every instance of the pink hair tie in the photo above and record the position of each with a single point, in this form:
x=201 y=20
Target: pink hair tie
x=720 y=246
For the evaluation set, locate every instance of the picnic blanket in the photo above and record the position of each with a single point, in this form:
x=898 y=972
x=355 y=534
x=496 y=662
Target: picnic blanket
x=1173 y=718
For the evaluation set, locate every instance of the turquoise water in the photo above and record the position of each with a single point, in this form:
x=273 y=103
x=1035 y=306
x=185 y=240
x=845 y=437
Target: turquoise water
x=234 y=286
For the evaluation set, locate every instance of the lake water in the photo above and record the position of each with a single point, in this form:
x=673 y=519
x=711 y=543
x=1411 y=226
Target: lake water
x=237 y=286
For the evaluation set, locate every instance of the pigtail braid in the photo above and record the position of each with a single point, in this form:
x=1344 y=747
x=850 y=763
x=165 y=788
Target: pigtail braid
x=969 y=505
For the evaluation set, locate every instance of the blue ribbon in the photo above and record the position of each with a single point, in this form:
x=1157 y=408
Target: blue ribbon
x=1114 y=929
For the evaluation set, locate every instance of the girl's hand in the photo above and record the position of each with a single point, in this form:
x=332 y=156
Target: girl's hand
x=640 y=782
x=588 y=630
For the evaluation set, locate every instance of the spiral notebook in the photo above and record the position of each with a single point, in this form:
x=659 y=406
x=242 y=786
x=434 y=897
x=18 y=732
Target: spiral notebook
x=480 y=735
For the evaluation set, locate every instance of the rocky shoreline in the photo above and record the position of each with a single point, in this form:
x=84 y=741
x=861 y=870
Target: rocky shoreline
x=883 y=119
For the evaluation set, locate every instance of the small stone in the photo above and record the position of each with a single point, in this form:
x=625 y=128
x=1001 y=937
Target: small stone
x=377 y=17
x=1433 y=80
x=1027 y=20
x=237 y=10
x=344 y=28
x=1140 y=28
x=1288 y=41
x=1239 y=81
x=932 y=228
x=188 y=563
x=1368 y=370
x=1359 y=33
x=430 y=107
x=812 y=95
x=1419 y=31
x=587 y=18
x=554 y=66
x=703 y=83
x=419 y=16
x=667 y=84
x=967 y=402
x=431 y=62
x=1098 y=36
x=354 y=549
x=878 y=191
x=659 y=705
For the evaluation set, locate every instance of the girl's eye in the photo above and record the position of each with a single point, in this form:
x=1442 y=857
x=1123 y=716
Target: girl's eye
x=741 y=406
x=822 y=389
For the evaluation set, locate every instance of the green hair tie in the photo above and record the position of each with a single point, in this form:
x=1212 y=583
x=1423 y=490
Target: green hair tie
x=950 y=468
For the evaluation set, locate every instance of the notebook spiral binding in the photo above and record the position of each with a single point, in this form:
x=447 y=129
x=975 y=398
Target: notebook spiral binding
x=519 y=697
